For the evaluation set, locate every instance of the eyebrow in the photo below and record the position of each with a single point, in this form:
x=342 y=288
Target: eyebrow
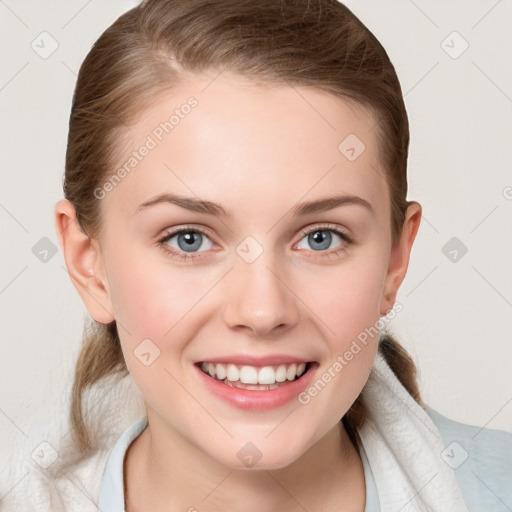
x=211 y=208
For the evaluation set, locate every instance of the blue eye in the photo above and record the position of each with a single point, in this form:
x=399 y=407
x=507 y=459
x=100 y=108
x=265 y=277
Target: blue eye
x=185 y=243
x=187 y=240
x=321 y=238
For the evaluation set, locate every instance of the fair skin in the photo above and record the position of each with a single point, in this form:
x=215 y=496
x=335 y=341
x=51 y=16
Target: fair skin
x=257 y=151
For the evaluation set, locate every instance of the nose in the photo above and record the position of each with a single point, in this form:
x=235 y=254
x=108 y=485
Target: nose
x=259 y=299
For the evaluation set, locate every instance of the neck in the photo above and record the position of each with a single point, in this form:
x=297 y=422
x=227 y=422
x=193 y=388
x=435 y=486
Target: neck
x=167 y=473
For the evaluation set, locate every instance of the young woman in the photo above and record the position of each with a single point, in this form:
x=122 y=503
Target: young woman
x=236 y=222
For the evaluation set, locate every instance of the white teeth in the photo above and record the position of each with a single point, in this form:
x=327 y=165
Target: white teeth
x=281 y=373
x=220 y=371
x=265 y=376
x=254 y=387
x=249 y=375
x=232 y=373
x=290 y=373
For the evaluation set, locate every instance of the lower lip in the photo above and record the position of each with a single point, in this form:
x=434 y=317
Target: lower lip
x=255 y=400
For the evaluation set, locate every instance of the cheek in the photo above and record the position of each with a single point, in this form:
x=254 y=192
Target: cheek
x=347 y=300
x=159 y=303
x=153 y=303
x=341 y=377
x=148 y=295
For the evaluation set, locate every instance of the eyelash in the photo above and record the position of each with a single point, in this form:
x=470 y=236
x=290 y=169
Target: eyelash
x=184 y=256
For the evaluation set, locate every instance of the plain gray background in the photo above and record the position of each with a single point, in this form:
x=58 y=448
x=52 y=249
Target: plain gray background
x=457 y=315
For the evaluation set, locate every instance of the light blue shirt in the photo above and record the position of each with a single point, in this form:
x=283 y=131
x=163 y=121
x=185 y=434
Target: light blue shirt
x=112 y=486
x=485 y=478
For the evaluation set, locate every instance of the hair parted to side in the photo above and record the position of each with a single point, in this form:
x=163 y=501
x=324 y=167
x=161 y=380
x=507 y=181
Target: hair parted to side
x=152 y=47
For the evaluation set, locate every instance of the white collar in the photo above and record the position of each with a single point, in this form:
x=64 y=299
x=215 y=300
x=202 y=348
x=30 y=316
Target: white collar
x=401 y=454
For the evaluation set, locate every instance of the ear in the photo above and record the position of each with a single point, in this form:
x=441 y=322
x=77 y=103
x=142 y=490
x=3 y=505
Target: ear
x=84 y=263
x=399 y=259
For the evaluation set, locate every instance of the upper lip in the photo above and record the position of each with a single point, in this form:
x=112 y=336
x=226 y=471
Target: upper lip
x=248 y=360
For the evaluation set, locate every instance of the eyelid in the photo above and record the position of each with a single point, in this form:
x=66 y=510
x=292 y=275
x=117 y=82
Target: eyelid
x=304 y=231
x=342 y=232
x=171 y=232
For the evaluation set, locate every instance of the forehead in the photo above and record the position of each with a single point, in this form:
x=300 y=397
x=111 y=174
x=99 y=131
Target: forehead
x=225 y=137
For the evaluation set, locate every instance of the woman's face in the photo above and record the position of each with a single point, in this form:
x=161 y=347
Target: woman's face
x=284 y=258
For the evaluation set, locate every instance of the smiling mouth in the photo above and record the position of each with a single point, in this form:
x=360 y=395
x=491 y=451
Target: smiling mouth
x=255 y=378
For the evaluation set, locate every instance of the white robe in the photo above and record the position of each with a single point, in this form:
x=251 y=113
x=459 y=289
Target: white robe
x=418 y=465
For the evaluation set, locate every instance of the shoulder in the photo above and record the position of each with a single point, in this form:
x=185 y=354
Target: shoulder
x=51 y=477
x=47 y=473
x=481 y=459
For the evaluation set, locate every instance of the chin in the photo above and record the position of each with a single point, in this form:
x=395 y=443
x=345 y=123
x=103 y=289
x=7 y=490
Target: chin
x=259 y=455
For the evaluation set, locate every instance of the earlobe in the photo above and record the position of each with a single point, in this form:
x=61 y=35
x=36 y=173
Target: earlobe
x=83 y=262
x=399 y=259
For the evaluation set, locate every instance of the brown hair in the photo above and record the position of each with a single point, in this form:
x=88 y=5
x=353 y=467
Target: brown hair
x=150 y=48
